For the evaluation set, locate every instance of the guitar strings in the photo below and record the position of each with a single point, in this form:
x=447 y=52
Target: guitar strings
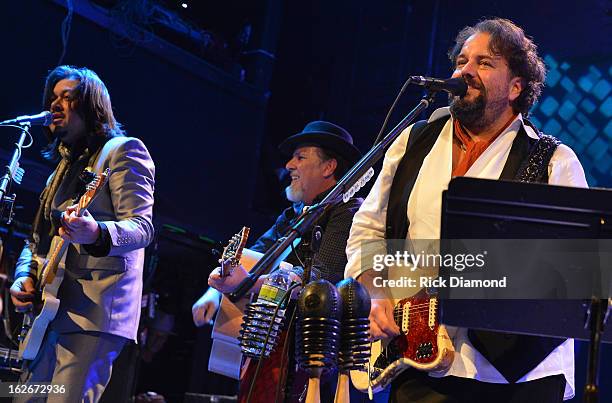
x=414 y=305
x=415 y=313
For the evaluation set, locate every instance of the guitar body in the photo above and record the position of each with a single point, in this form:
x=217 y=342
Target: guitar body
x=35 y=322
x=225 y=355
x=423 y=344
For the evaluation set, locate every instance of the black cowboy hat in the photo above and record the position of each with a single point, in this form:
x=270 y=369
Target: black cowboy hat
x=326 y=135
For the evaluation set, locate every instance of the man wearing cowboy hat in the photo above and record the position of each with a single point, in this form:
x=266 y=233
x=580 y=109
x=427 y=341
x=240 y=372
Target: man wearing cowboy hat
x=320 y=155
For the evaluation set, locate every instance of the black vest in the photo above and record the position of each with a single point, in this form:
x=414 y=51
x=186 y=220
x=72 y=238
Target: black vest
x=512 y=355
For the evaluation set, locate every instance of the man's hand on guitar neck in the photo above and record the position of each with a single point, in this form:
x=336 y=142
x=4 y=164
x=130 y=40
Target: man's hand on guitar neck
x=228 y=283
x=22 y=293
x=82 y=230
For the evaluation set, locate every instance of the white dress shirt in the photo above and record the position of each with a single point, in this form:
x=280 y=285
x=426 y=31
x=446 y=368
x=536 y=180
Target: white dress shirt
x=424 y=213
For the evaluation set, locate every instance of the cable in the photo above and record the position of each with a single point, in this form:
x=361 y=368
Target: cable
x=263 y=350
x=25 y=129
x=65 y=30
x=296 y=255
x=6 y=321
x=134 y=21
x=282 y=369
x=384 y=125
x=317 y=206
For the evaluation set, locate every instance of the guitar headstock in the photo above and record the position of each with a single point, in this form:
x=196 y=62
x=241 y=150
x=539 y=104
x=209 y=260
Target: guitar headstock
x=93 y=188
x=233 y=251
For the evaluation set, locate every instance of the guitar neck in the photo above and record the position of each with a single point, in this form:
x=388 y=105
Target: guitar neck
x=52 y=264
x=82 y=206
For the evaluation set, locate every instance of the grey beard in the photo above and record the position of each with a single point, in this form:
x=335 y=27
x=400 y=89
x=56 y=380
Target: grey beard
x=294 y=195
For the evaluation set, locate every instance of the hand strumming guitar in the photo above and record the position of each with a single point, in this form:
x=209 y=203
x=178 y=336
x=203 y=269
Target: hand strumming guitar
x=205 y=307
x=382 y=324
x=22 y=293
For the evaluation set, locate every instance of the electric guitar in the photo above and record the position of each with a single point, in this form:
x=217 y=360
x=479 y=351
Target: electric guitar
x=51 y=274
x=423 y=344
x=225 y=355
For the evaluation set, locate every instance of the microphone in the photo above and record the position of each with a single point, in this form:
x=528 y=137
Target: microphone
x=43 y=119
x=455 y=86
x=354 y=351
x=317 y=334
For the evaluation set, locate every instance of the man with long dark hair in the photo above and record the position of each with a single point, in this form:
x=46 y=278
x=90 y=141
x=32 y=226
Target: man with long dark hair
x=484 y=134
x=101 y=290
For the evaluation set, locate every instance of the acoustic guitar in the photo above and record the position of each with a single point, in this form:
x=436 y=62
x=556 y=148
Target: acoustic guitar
x=225 y=355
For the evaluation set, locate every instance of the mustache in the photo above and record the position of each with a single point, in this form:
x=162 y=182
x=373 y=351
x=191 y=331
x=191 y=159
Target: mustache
x=473 y=83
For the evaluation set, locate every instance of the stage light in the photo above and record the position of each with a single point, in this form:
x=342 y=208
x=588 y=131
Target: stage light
x=577 y=109
x=184 y=5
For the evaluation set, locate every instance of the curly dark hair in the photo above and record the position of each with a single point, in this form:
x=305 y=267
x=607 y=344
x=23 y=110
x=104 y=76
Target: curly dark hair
x=509 y=41
x=92 y=103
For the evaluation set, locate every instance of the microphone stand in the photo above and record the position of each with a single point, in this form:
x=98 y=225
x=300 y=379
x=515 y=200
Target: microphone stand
x=346 y=187
x=13 y=172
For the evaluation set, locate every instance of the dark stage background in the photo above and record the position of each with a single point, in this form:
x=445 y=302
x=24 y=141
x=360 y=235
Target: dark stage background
x=214 y=87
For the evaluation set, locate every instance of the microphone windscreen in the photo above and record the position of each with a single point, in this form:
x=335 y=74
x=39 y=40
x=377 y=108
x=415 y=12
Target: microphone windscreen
x=46 y=118
x=319 y=299
x=354 y=351
x=355 y=299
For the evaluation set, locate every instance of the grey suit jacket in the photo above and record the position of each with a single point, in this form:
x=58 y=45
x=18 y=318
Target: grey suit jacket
x=104 y=293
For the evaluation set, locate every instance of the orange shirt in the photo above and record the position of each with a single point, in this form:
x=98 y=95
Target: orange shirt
x=473 y=149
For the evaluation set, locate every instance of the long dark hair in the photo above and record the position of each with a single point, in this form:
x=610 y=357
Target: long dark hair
x=510 y=41
x=92 y=103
